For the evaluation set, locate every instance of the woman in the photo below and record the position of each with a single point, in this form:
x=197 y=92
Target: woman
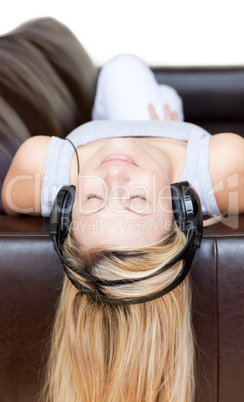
x=123 y=229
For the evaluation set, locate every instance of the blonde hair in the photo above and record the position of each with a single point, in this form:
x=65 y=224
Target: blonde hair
x=102 y=352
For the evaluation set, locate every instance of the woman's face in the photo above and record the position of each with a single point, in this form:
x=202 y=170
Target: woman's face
x=123 y=196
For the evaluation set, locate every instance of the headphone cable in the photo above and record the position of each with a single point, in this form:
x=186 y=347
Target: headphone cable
x=77 y=157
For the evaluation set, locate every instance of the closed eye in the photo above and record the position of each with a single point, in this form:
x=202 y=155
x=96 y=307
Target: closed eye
x=132 y=197
x=90 y=196
x=142 y=197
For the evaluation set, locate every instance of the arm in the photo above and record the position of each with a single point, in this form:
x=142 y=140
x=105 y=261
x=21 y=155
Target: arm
x=21 y=192
x=226 y=164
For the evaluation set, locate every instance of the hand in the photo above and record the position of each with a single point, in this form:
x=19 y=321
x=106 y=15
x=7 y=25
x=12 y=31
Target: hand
x=169 y=116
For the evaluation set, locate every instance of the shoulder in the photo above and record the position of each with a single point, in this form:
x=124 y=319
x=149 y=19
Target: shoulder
x=226 y=155
x=229 y=145
x=32 y=153
x=22 y=184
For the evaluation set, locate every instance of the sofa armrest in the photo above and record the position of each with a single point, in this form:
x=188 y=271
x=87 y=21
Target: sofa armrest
x=47 y=85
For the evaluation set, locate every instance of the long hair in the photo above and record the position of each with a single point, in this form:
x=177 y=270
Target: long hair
x=114 y=353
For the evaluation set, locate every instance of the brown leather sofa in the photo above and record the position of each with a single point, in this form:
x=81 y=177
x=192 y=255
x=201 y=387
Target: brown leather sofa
x=47 y=85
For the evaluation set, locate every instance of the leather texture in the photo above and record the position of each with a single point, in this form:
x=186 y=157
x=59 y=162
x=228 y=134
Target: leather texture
x=213 y=97
x=47 y=86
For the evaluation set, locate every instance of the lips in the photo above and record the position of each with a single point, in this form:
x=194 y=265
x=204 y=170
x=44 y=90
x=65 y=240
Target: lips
x=118 y=158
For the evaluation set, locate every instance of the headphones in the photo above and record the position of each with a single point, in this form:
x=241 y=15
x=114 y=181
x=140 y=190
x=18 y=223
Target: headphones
x=188 y=216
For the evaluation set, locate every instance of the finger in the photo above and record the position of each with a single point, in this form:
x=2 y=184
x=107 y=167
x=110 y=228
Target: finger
x=153 y=114
x=175 y=116
x=170 y=116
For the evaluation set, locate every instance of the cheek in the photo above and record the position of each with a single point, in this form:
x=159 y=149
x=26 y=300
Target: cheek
x=75 y=210
x=162 y=221
x=164 y=205
x=162 y=199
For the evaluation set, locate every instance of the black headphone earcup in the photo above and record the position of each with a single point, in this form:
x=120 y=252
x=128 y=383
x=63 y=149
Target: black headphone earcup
x=61 y=214
x=178 y=206
x=187 y=209
x=66 y=214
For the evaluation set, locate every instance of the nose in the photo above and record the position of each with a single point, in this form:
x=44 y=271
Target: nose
x=116 y=176
x=117 y=179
